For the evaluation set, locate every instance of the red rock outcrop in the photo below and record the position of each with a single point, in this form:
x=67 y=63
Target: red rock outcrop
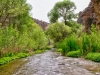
x=41 y=23
x=90 y=15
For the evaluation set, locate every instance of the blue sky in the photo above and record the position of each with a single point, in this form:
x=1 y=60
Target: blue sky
x=40 y=8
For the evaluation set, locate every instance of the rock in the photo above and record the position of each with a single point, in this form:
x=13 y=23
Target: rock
x=97 y=73
x=61 y=64
x=90 y=15
x=74 y=63
x=41 y=23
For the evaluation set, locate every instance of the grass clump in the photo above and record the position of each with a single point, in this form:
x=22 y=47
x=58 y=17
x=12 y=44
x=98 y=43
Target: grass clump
x=93 y=56
x=59 y=50
x=74 y=54
x=38 y=51
x=5 y=60
x=9 y=57
x=22 y=55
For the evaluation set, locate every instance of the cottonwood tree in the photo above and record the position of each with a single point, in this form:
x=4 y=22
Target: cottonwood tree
x=13 y=12
x=63 y=9
x=57 y=31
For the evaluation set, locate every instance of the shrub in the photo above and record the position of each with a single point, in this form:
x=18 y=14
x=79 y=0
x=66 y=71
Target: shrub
x=71 y=43
x=59 y=50
x=58 y=31
x=38 y=51
x=62 y=46
x=13 y=41
x=68 y=44
x=5 y=60
x=22 y=55
x=95 y=42
x=86 y=44
x=90 y=43
x=74 y=54
x=93 y=56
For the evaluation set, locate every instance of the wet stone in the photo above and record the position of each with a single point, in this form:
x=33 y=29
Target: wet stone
x=61 y=64
x=97 y=73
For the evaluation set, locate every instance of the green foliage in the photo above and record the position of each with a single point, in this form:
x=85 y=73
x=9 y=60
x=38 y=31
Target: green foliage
x=38 y=51
x=68 y=44
x=59 y=50
x=8 y=54
x=74 y=54
x=93 y=56
x=9 y=57
x=49 y=47
x=22 y=55
x=12 y=40
x=5 y=60
x=71 y=43
x=62 y=9
x=91 y=42
x=14 y=12
x=86 y=44
x=58 y=31
x=18 y=31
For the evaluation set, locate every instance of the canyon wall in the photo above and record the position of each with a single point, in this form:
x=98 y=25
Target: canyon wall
x=90 y=15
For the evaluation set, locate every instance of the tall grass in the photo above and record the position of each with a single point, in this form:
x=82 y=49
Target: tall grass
x=68 y=44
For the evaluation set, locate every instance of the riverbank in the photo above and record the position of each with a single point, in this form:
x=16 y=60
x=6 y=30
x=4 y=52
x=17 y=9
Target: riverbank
x=10 y=57
x=9 y=67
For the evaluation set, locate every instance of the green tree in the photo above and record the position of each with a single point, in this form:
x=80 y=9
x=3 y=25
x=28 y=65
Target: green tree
x=18 y=31
x=11 y=11
x=63 y=9
x=57 y=31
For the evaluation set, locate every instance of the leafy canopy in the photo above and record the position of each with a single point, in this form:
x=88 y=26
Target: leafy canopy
x=63 y=9
x=58 y=31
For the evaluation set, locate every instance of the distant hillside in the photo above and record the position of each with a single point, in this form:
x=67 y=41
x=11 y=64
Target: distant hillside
x=41 y=23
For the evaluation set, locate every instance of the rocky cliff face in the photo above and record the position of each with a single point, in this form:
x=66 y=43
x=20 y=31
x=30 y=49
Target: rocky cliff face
x=90 y=15
x=41 y=23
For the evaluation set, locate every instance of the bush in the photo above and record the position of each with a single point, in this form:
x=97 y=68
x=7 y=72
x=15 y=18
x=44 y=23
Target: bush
x=59 y=50
x=22 y=55
x=58 y=31
x=68 y=44
x=90 y=43
x=13 y=41
x=74 y=54
x=95 y=42
x=49 y=47
x=38 y=51
x=11 y=57
x=93 y=56
x=86 y=44
x=5 y=60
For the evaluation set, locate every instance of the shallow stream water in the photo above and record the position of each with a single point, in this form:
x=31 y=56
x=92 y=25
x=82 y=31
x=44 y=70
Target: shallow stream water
x=52 y=63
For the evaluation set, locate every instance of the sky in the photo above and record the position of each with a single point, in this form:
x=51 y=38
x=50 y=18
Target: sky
x=40 y=8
